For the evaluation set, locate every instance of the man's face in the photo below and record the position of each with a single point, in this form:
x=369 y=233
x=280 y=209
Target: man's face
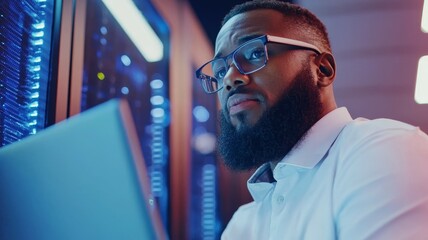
x=245 y=98
x=266 y=113
x=279 y=129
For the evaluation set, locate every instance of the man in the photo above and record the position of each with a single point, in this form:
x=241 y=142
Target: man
x=321 y=174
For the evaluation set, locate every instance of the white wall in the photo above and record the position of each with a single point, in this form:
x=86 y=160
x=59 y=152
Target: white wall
x=377 y=45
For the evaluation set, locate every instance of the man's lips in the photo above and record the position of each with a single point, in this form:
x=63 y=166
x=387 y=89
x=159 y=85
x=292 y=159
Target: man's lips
x=239 y=102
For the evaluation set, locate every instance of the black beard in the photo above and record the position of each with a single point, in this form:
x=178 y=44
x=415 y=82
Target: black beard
x=278 y=130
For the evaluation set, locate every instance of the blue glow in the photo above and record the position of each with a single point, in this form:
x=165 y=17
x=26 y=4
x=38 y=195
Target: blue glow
x=124 y=90
x=32 y=123
x=103 y=30
x=208 y=222
x=158 y=153
x=156 y=180
x=33 y=113
x=36 y=85
x=37 y=42
x=137 y=28
x=35 y=68
x=103 y=41
x=156 y=84
x=39 y=25
x=157 y=112
x=35 y=95
x=201 y=114
x=38 y=34
x=125 y=60
x=36 y=59
x=34 y=104
x=157 y=100
x=23 y=90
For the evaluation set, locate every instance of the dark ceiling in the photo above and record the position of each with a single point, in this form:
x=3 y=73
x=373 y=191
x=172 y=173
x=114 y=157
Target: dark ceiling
x=211 y=13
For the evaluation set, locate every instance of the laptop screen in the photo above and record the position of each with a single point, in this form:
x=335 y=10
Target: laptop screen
x=83 y=178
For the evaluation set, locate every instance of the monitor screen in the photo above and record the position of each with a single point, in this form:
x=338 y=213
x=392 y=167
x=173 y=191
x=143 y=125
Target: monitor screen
x=83 y=178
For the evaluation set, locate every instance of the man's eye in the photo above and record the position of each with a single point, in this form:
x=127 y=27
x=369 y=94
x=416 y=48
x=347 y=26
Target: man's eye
x=220 y=73
x=256 y=54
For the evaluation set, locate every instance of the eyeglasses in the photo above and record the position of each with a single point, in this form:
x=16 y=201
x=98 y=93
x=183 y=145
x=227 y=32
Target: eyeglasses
x=248 y=58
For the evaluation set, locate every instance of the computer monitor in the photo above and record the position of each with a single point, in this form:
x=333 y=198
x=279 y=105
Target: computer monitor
x=83 y=178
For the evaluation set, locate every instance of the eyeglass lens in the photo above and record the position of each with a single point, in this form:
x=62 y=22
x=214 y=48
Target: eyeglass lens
x=248 y=58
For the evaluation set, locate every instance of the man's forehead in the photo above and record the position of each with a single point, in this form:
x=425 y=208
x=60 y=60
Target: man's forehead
x=244 y=26
x=234 y=30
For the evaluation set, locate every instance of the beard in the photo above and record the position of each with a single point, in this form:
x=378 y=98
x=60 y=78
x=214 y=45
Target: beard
x=278 y=130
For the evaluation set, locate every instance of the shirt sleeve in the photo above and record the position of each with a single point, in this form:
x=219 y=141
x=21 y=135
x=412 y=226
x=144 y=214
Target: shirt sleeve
x=241 y=225
x=381 y=189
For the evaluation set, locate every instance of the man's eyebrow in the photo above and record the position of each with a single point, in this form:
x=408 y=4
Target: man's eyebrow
x=218 y=55
x=247 y=38
x=241 y=40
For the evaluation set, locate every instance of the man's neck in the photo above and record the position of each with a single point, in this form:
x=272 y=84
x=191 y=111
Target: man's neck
x=273 y=164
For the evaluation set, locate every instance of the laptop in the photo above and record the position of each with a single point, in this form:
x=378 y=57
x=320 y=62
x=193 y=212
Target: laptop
x=83 y=178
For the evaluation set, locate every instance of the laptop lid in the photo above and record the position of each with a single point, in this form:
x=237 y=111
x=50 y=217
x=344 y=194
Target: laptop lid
x=83 y=178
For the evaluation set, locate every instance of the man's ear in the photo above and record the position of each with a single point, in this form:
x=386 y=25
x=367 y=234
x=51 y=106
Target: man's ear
x=326 y=69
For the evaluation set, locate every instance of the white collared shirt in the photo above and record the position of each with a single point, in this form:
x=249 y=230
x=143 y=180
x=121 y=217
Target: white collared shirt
x=348 y=179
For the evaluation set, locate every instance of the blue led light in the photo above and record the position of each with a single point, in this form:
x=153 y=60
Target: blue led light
x=36 y=85
x=156 y=84
x=34 y=104
x=37 y=42
x=32 y=123
x=124 y=90
x=36 y=77
x=35 y=95
x=38 y=34
x=103 y=30
x=37 y=59
x=103 y=41
x=39 y=25
x=201 y=114
x=157 y=112
x=125 y=60
x=35 y=68
x=208 y=218
x=33 y=114
x=157 y=100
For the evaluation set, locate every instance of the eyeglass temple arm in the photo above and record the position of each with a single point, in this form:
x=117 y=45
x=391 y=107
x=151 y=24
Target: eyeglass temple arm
x=292 y=42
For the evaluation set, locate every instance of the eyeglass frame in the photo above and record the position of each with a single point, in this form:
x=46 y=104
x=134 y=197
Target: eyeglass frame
x=265 y=39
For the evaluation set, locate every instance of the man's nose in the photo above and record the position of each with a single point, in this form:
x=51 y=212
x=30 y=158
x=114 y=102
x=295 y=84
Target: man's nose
x=234 y=78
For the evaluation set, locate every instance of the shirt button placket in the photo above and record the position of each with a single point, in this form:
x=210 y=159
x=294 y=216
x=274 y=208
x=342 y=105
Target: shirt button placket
x=278 y=204
x=280 y=200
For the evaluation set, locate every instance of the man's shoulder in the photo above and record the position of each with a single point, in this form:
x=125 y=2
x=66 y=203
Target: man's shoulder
x=380 y=178
x=361 y=128
x=379 y=124
x=380 y=136
x=243 y=216
x=382 y=143
x=247 y=207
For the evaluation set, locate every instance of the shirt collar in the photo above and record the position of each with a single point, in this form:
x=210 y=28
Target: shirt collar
x=306 y=154
x=318 y=140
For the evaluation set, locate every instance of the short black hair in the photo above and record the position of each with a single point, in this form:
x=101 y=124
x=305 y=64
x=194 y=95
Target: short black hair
x=302 y=17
